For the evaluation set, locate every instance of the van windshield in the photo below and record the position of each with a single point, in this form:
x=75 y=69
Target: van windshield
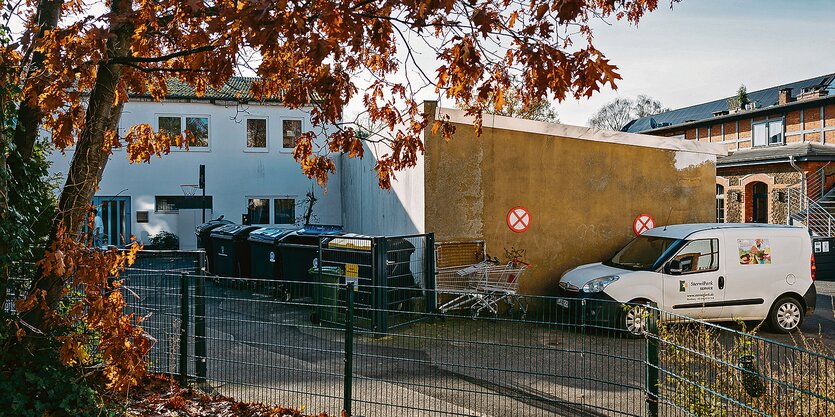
x=643 y=253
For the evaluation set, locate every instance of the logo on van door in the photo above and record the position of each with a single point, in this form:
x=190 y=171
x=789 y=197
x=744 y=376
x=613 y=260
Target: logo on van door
x=682 y=286
x=754 y=251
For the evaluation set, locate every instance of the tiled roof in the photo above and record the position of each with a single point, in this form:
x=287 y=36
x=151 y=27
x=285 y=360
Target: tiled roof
x=801 y=151
x=766 y=98
x=236 y=89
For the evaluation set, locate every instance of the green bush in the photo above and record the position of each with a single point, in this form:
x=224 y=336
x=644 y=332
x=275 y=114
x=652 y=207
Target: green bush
x=35 y=385
x=164 y=241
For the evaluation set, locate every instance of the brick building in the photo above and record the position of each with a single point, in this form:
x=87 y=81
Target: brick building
x=781 y=147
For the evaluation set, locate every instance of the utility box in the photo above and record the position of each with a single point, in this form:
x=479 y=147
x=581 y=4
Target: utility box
x=231 y=250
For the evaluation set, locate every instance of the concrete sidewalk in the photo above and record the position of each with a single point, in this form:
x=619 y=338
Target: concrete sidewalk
x=825 y=287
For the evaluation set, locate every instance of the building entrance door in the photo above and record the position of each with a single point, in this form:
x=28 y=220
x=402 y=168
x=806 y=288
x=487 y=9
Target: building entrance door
x=760 y=202
x=115 y=216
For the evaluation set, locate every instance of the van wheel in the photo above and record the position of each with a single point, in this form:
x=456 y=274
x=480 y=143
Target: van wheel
x=786 y=315
x=634 y=319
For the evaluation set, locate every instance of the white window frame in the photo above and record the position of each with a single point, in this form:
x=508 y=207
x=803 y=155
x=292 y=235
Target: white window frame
x=271 y=207
x=183 y=127
x=281 y=147
x=266 y=148
x=767 y=123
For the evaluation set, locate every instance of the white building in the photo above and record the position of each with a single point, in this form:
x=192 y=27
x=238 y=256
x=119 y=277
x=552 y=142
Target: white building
x=247 y=151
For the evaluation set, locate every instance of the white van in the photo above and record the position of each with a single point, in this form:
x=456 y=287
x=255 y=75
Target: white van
x=714 y=272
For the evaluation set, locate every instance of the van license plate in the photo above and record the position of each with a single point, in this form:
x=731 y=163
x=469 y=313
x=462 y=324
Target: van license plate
x=562 y=302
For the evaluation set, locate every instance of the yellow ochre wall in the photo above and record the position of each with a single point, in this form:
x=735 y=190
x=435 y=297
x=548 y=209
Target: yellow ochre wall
x=583 y=195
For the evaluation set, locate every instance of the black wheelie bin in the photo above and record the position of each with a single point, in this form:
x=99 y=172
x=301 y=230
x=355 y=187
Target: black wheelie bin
x=298 y=251
x=231 y=250
x=356 y=251
x=265 y=258
x=204 y=240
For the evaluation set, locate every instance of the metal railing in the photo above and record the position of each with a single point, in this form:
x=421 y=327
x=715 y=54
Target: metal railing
x=567 y=356
x=229 y=337
x=802 y=203
x=815 y=217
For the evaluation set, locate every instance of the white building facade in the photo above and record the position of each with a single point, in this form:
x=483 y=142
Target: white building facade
x=249 y=169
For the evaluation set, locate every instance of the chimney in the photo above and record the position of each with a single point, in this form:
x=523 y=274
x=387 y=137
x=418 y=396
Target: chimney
x=811 y=92
x=784 y=96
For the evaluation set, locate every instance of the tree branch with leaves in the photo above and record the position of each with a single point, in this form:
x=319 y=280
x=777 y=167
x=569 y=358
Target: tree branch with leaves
x=76 y=66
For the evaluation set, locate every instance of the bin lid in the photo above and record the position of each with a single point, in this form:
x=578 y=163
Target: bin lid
x=269 y=234
x=231 y=231
x=321 y=229
x=211 y=224
x=351 y=241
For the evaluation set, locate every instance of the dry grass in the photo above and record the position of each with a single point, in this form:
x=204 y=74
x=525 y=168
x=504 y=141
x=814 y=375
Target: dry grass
x=708 y=371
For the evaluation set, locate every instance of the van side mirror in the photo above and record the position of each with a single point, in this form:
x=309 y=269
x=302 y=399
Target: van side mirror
x=673 y=267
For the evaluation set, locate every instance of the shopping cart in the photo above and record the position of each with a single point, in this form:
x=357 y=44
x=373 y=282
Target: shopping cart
x=482 y=287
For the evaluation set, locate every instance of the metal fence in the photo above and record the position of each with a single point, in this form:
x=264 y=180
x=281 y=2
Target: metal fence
x=233 y=336
x=320 y=353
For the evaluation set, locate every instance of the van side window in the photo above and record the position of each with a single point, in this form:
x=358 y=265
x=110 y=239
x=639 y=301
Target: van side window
x=699 y=256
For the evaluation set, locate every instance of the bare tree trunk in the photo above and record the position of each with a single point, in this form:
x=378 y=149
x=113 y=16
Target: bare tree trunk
x=90 y=156
x=16 y=149
x=29 y=117
x=4 y=205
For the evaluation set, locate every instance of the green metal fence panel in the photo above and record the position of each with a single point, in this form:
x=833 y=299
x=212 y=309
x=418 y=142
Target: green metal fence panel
x=566 y=356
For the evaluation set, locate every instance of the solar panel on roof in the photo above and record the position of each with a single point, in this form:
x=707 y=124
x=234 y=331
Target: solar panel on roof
x=766 y=97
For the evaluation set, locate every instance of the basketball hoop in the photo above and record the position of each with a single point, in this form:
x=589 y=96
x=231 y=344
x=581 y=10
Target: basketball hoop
x=189 y=189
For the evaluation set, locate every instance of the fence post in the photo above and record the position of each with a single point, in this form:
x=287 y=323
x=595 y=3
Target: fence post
x=432 y=296
x=200 y=320
x=184 y=310
x=349 y=349
x=652 y=364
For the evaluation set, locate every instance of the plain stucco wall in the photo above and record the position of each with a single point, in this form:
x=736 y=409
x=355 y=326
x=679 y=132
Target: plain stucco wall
x=583 y=195
x=370 y=210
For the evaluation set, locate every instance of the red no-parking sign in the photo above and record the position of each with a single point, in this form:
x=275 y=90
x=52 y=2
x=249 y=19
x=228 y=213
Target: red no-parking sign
x=643 y=223
x=518 y=219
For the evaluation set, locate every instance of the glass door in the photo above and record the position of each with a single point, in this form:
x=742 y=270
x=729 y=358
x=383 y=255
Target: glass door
x=115 y=217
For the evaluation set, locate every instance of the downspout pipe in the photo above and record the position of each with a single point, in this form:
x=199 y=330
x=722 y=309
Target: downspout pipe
x=803 y=197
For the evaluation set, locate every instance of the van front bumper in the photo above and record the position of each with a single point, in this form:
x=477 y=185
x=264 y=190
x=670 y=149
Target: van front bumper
x=598 y=309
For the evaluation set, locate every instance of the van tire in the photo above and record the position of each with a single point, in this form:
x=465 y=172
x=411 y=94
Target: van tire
x=632 y=318
x=786 y=315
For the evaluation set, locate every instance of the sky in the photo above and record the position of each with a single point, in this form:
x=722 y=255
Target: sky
x=702 y=50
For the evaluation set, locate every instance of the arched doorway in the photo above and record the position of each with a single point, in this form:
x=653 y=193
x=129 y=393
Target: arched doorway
x=759 y=202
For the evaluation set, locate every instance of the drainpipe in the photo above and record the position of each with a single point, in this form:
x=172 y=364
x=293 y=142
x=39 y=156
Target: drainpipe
x=802 y=188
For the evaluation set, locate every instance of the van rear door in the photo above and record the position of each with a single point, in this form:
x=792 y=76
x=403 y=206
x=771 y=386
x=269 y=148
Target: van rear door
x=698 y=291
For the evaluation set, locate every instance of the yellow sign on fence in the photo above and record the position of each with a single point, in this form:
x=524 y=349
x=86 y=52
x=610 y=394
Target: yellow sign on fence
x=352 y=270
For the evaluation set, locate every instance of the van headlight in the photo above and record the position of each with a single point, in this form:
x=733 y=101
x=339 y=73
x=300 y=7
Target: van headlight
x=599 y=284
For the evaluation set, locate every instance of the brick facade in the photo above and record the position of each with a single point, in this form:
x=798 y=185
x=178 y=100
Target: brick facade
x=803 y=122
